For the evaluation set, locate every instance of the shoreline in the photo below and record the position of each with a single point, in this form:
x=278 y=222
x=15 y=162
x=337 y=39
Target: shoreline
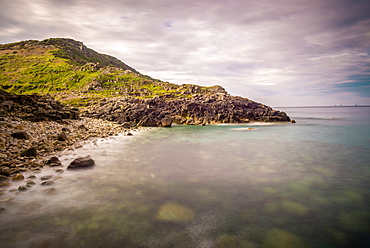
x=48 y=139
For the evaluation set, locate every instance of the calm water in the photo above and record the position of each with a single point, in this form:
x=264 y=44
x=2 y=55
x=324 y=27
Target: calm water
x=257 y=185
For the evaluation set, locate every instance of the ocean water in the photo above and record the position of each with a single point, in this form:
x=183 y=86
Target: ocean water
x=254 y=185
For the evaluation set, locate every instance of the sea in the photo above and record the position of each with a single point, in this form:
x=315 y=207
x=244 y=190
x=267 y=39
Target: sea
x=268 y=185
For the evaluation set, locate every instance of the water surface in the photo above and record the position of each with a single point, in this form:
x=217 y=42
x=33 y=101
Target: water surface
x=255 y=185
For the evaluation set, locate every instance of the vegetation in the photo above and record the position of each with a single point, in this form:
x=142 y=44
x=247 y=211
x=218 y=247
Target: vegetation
x=77 y=75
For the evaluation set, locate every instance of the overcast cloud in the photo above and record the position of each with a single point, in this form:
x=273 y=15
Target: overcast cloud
x=279 y=52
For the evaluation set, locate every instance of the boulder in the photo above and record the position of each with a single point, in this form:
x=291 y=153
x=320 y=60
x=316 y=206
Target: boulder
x=31 y=152
x=83 y=162
x=21 y=135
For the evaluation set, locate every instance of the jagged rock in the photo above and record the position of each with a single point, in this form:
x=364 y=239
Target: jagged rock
x=21 y=135
x=31 y=152
x=84 y=162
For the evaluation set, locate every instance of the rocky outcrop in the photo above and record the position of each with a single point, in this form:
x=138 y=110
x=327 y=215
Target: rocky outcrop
x=35 y=107
x=198 y=110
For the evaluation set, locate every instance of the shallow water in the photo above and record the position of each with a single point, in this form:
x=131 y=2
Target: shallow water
x=256 y=185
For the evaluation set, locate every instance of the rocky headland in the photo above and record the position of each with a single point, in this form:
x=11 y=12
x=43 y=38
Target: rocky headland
x=57 y=93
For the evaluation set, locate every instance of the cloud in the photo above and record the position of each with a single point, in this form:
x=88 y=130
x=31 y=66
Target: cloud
x=279 y=51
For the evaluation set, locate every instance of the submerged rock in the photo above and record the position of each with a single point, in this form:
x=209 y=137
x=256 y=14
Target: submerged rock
x=279 y=238
x=84 y=162
x=174 y=213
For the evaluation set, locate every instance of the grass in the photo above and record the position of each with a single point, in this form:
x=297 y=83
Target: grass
x=57 y=67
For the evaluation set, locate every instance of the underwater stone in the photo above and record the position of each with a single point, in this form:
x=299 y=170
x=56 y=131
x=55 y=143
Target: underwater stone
x=174 y=213
x=279 y=238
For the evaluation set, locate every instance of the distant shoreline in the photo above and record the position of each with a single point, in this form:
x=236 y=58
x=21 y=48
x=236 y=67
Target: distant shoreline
x=343 y=106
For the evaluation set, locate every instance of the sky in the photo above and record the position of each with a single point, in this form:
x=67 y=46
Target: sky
x=278 y=52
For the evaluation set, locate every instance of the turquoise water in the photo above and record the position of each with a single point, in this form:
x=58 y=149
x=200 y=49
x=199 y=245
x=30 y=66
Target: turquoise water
x=257 y=185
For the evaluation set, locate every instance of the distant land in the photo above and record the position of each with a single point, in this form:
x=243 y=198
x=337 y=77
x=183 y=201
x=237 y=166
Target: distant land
x=103 y=87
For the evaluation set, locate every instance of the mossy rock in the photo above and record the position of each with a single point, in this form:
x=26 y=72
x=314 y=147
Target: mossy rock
x=279 y=238
x=174 y=213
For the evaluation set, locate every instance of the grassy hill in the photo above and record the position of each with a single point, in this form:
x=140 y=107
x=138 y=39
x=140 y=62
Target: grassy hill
x=77 y=75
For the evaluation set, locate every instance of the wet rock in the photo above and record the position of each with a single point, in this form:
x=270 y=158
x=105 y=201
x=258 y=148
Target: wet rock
x=3 y=156
x=31 y=177
x=62 y=136
x=21 y=135
x=174 y=213
x=3 y=178
x=83 y=127
x=129 y=134
x=83 y=162
x=31 y=152
x=47 y=177
x=292 y=121
x=22 y=188
x=18 y=177
x=64 y=129
x=6 y=184
x=47 y=183
x=30 y=183
x=59 y=171
x=53 y=161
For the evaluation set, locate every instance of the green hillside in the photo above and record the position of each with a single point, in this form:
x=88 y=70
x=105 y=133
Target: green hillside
x=77 y=75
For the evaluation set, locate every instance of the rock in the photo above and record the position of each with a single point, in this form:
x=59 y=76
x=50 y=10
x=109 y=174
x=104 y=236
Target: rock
x=62 y=136
x=64 y=129
x=31 y=152
x=292 y=121
x=47 y=183
x=3 y=156
x=18 y=177
x=53 y=161
x=59 y=170
x=174 y=213
x=166 y=122
x=30 y=183
x=51 y=191
x=21 y=135
x=5 y=171
x=47 y=177
x=129 y=134
x=3 y=178
x=7 y=104
x=278 y=238
x=82 y=127
x=22 y=188
x=84 y=162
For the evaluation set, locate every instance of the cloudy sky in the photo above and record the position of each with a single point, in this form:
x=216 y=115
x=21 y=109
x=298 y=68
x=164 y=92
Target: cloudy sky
x=279 y=52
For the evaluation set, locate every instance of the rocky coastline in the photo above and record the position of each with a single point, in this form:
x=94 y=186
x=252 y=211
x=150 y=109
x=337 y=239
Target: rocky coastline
x=35 y=129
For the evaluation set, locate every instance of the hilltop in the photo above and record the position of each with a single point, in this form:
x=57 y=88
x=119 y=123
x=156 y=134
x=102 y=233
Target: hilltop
x=104 y=87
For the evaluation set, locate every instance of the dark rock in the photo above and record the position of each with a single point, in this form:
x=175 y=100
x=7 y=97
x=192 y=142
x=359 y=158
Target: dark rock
x=64 y=129
x=47 y=183
x=3 y=178
x=21 y=135
x=53 y=161
x=62 y=136
x=47 y=177
x=129 y=134
x=30 y=183
x=22 y=188
x=292 y=121
x=82 y=127
x=31 y=152
x=84 y=162
x=5 y=171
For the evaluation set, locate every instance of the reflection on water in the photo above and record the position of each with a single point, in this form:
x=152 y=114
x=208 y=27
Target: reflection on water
x=213 y=186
